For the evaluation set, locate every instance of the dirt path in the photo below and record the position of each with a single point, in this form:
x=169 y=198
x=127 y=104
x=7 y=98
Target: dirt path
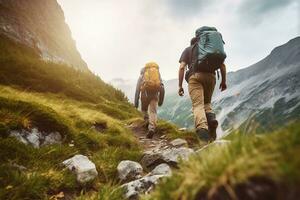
x=158 y=142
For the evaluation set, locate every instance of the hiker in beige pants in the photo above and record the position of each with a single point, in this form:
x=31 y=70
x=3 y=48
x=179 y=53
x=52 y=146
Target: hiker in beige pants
x=149 y=109
x=201 y=87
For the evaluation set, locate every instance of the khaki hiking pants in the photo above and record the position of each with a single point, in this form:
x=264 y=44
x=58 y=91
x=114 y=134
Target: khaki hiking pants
x=201 y=88
x=149 y=109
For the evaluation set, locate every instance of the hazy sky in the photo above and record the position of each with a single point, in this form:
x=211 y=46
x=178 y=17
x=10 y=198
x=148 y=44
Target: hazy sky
x=117 y=37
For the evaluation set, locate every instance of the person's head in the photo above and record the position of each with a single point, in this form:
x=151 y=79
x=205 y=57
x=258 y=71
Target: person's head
x=193 y=41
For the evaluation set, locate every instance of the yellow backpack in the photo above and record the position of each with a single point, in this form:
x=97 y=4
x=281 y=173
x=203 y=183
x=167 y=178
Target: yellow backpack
x=151 y=78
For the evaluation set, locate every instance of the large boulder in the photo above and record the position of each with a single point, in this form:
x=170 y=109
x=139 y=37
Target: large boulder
x=84 y=169
x=129 y=170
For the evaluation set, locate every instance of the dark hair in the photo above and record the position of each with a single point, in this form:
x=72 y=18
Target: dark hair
x=194 y=40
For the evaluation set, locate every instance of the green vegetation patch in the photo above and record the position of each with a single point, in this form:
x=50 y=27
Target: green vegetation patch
x=76 y=120
x=21 y=66
x=272 y=158
x=172 y=132
x=17 y=115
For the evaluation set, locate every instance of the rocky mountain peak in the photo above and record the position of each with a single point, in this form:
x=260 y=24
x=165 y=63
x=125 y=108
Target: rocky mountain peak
x=40 y=25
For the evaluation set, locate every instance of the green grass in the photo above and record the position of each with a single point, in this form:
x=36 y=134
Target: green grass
x=55 y=97
x=172 y=132
x=38 y=94
x=22 y=67
x=74 y=120
x=273 y=157
x=107 y=192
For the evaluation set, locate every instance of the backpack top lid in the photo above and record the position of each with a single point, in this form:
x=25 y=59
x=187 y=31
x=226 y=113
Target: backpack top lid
x=202 y=29
x=151 y=64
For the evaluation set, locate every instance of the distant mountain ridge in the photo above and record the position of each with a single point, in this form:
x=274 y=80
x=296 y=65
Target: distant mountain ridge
x=40 y=25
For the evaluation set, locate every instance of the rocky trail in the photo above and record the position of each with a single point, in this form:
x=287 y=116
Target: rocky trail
x=157 y=142
x=161 y=156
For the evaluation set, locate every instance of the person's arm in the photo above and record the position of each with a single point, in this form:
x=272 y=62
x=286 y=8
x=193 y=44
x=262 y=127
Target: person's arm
x=223 y=85
x=137 y=91
x=180 y=78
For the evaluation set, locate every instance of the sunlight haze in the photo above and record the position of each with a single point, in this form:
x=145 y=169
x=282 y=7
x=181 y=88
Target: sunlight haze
x=116 y=38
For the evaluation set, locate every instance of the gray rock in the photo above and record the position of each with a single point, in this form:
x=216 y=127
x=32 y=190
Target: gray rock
x=52 y=138
x=151 y=159
x=173 y=155
x=142 y=185
x=162 y=169
x=34 y=137
x=129 y=170
x=84 y=169
x=165 y=155
x=18 y=136
x=178 y=142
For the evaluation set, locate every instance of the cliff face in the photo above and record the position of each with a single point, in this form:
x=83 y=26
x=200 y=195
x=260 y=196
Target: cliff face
x=40 y=24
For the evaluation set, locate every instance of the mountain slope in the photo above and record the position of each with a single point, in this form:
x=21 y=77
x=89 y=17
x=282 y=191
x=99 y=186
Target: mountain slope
x=40 y=25
x=269 y=89
x=51 y=111
x=42 y=97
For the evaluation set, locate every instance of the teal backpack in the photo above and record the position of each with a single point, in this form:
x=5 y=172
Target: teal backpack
x=208 y=53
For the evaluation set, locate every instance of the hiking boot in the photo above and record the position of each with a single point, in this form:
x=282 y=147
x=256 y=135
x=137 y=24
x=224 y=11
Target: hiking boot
x=146 y=121
x=203 y=134
x=150 y=134
x=146 y=124
x=212 y=125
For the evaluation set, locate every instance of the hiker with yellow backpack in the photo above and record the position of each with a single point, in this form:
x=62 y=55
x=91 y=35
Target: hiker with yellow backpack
x=151 y=90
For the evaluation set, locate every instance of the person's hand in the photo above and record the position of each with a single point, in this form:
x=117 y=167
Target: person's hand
x=223 y=86
x=180 y=91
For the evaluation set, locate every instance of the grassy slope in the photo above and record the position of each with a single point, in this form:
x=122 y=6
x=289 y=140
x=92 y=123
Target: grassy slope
x=55 y=97
x=223 y=173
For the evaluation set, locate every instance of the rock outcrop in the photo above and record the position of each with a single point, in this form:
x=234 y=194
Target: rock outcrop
x=40 y=25
x=159 y=159
x=36 y=138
